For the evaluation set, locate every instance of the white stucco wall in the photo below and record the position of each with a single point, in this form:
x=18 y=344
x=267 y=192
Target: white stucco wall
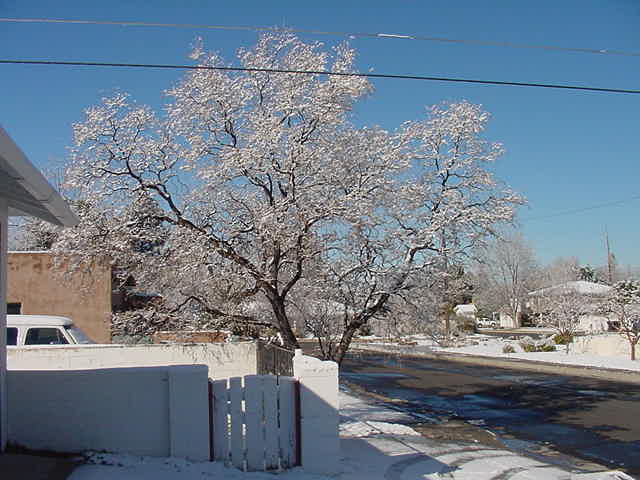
x=608 y=345
x=157 y=411
x=4 y=227
x=223 y=360
x=319 y=413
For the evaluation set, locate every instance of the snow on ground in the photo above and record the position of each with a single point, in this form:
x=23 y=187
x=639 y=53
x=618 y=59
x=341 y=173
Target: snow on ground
x=372 y=447
x=365 y=429
x=361 y=419
x=493 y=348
x=490 y=346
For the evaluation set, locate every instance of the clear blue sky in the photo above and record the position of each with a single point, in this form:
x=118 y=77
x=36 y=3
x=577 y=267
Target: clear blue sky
x=565 y=150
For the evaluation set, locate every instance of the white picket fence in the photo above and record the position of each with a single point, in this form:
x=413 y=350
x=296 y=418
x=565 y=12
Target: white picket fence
x=255 y=422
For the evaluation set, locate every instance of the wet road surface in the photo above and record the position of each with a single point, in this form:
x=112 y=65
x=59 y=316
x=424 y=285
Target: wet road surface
x=592 y=419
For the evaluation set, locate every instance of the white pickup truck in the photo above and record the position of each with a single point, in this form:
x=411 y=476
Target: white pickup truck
x=486 y=323
x=43 y=330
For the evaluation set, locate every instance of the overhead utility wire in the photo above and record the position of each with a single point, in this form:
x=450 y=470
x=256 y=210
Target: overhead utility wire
x=585 y=209
x=318 y=72
x=484 y=43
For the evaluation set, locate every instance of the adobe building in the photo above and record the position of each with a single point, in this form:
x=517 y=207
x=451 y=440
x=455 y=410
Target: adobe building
x=35 y=285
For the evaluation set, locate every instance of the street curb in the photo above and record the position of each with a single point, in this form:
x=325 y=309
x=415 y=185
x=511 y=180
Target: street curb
x=620 y=375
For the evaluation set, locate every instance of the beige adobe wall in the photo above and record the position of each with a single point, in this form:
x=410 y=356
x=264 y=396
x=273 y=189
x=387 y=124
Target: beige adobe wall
x=34 y=282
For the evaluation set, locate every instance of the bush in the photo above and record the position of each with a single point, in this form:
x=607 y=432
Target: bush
x=468 y=327
x=563 y=339
x=365 y=330
x=508 y=348
x=527 y=344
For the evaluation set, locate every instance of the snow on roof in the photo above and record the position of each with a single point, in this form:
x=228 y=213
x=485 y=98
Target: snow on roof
x=466 y=308
x=580 y=287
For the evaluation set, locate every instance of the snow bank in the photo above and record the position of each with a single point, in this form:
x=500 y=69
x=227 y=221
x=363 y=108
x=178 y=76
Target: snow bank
x=490 y=346
x=493 y=348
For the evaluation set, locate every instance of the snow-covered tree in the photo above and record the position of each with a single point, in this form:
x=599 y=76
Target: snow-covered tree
x=507 y=271
x=588 y=274
x=260 y=179
x=33 y=234
x=623 y=305
x=562 y=310
x=561 y=270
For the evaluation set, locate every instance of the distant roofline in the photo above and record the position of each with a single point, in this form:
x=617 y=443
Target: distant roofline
x=572 y=286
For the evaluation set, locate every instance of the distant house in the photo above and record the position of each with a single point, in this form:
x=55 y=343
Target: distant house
x=468 y=310
x=126 y=295
x=592 y=293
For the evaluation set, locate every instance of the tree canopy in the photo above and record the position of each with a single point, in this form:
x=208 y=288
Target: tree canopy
x=255 y=185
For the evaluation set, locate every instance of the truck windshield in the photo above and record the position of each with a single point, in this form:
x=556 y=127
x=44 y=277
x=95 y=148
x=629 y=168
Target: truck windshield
x=78 y=335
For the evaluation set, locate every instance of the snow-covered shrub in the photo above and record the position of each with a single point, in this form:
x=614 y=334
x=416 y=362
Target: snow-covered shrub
x=527 y=344
x=563 y=339
x=508 y=348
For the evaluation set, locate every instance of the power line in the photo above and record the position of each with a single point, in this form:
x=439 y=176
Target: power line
x=319 y=72
x=584 y=209
x=397 y=36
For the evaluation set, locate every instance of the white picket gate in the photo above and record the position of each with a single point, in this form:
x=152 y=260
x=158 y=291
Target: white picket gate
x=255 y=422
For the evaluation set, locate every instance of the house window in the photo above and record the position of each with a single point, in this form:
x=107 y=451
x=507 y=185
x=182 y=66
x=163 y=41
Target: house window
x=14 y=308
x=45 y=336
x=12 y=336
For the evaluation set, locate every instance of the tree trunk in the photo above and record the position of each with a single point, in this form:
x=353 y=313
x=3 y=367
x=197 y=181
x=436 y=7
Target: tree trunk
x=345 y=341
x=282 y=322
x=447 y=324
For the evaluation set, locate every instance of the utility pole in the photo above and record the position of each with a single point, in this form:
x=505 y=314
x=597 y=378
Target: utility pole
x=609 y=257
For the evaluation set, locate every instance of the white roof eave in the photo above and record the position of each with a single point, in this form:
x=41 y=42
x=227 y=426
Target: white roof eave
x=41 y=199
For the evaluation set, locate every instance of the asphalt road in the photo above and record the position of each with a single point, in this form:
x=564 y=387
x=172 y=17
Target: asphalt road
x=592 y=419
